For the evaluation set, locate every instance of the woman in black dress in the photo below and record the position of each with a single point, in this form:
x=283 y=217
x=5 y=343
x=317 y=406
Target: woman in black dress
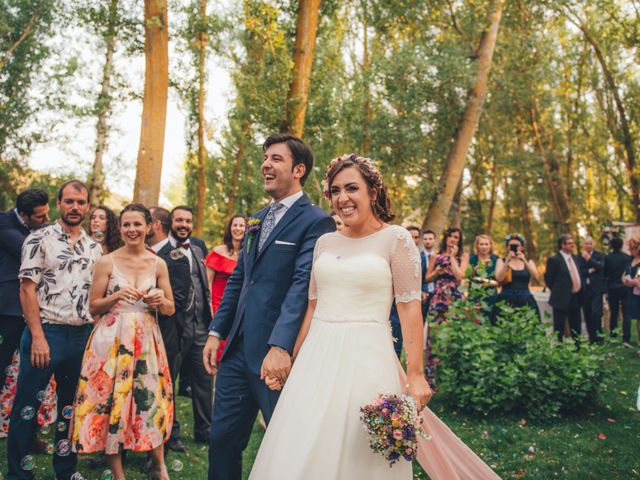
x=515 y=272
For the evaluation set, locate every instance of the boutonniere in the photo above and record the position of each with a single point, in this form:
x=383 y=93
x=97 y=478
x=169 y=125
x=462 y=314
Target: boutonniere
x=253 y=227
x=176 y=254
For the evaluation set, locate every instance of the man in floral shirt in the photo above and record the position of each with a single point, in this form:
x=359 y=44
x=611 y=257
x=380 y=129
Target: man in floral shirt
x=55 y=277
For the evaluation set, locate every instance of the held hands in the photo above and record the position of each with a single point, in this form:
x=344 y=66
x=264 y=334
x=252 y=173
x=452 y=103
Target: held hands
x=277 y=365
x=273 y=383
x=419 y=390
x=209 y=354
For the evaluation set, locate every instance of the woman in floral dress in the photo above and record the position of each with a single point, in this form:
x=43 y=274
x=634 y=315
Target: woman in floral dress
x=447 y=272
x=124 y=398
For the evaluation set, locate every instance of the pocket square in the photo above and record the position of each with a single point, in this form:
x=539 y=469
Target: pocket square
x=282 y=242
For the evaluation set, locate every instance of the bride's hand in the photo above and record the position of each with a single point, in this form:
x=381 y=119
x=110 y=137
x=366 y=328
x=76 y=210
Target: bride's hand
x=418 y=388
x=273 y=383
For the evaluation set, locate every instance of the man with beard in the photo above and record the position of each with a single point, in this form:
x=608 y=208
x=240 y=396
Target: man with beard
x=185 y=332
x=55 y=278
x=31 y=213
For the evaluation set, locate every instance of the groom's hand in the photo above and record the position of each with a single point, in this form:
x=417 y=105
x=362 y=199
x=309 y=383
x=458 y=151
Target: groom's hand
x=276 y=364
x=209 y=354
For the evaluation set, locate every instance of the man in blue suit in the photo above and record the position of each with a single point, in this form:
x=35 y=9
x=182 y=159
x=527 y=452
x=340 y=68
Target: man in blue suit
x=31 y=212
x=263 y=305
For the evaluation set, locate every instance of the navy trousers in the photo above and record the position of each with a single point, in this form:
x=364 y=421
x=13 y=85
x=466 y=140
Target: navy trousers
x=239 y=395
x=66 y=345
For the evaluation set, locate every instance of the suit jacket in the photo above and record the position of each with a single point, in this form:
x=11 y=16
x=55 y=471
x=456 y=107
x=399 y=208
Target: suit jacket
x=198 y=242
x=180 y=279
x=593 y=272
x=558 y=279
x=12 y=235
x=615 y=264
x=266 y=295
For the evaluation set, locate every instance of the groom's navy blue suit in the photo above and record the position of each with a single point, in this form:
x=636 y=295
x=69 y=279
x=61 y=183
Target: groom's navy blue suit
x=263 y=305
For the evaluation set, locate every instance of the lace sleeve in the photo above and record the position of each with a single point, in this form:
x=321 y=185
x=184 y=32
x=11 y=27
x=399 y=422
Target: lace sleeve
x=313 y=287
x=405 y=268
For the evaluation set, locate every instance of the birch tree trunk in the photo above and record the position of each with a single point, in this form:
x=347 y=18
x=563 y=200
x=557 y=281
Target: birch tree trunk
x=154 y=109
x=306 y=28
x=103 y=107
x=202 y=148
x=467 y=127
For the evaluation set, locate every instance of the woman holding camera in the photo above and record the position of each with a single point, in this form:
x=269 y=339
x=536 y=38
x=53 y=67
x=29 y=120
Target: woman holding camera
x=515 y=273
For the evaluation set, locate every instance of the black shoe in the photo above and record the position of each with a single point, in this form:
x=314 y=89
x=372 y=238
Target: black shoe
x=176 y=445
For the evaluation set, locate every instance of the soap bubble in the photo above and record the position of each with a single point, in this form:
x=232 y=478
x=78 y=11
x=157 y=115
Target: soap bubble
x=63 y=448
x=177 y=465
x=27 y=463
x=27 y=412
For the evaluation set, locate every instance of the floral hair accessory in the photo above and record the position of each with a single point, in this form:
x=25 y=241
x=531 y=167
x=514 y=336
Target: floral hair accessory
x=367 y=162
x=514 y=236
x=253 y=227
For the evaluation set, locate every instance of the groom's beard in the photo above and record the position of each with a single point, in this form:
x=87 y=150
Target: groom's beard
x=182 y=235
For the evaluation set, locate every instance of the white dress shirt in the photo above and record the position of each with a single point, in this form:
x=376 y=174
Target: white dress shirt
x=186 y=251
x=288 y=203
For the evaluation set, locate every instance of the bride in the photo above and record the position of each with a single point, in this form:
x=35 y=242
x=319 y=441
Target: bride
x=344 y=356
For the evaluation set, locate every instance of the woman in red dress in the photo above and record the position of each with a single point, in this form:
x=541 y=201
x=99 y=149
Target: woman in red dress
x=222 y=260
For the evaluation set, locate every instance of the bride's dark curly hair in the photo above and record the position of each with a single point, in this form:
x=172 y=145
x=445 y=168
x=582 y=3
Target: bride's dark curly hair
x=381 y=204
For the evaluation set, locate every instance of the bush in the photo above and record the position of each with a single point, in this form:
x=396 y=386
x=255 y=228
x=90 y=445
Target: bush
x=514 y=366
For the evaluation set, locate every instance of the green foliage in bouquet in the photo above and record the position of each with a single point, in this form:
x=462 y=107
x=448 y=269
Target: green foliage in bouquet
x=516 y=366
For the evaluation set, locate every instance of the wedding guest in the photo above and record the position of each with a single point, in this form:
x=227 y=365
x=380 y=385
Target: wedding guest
x=515 y=272
x=55 y=277
x=428 y=247
x=104 y=228
x=338 y=220
x=594 y=288
x=447 y=272
x=185 y=331
x=631 y=278
x=615 y=264
x=160 y=227
x=483 y=271
x=125 y=364
x=562 y=276
x=222 y=261
x=30 y=213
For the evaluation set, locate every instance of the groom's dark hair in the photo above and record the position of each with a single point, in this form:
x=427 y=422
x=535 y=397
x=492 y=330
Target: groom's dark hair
x=300 y=151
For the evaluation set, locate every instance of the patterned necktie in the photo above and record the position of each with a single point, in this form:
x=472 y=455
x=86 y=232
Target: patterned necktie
x=575 y=279
x=269 y=223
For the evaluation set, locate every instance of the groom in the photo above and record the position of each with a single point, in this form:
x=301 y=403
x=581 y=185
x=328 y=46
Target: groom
x=263 y=304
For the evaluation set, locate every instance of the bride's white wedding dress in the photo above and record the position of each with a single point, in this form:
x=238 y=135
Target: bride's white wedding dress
x=346 y=360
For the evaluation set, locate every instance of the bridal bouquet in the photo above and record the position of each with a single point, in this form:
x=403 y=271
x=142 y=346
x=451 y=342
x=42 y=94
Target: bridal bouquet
x=393 y=424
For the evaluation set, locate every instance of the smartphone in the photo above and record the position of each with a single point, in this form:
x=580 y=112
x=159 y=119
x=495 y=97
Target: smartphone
x=513 y=247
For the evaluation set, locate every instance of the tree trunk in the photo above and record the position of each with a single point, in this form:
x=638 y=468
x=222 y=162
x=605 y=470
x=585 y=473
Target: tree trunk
x=306 y=28
x=456 y=217
x=154 y=109
x=525 y=214
x=25 y=33
x=366 y=127
x=467 y=127
x=237 y=164
x=624 y=136
x=493 y=196
x=557 y=189
x=202 y=149
x=103 y=107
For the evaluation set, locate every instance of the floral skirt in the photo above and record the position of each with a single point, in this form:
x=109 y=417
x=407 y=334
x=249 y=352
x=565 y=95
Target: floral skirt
x=124 y=397
x=48 y=410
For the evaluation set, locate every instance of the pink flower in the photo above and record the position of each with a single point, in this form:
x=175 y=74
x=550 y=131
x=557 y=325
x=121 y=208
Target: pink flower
x=395 y=416
x=397 y=434
x=409 y=451
x=602 y=436
x=385 y=412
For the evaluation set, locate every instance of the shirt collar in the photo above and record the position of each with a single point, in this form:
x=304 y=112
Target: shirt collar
x=566 y=256
x=20 y=219
x=291 y=199
x=174 y=241
x=61 y=231
x=156 y=247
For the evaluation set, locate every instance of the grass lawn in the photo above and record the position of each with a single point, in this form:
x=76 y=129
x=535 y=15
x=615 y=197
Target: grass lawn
x=599 y=444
